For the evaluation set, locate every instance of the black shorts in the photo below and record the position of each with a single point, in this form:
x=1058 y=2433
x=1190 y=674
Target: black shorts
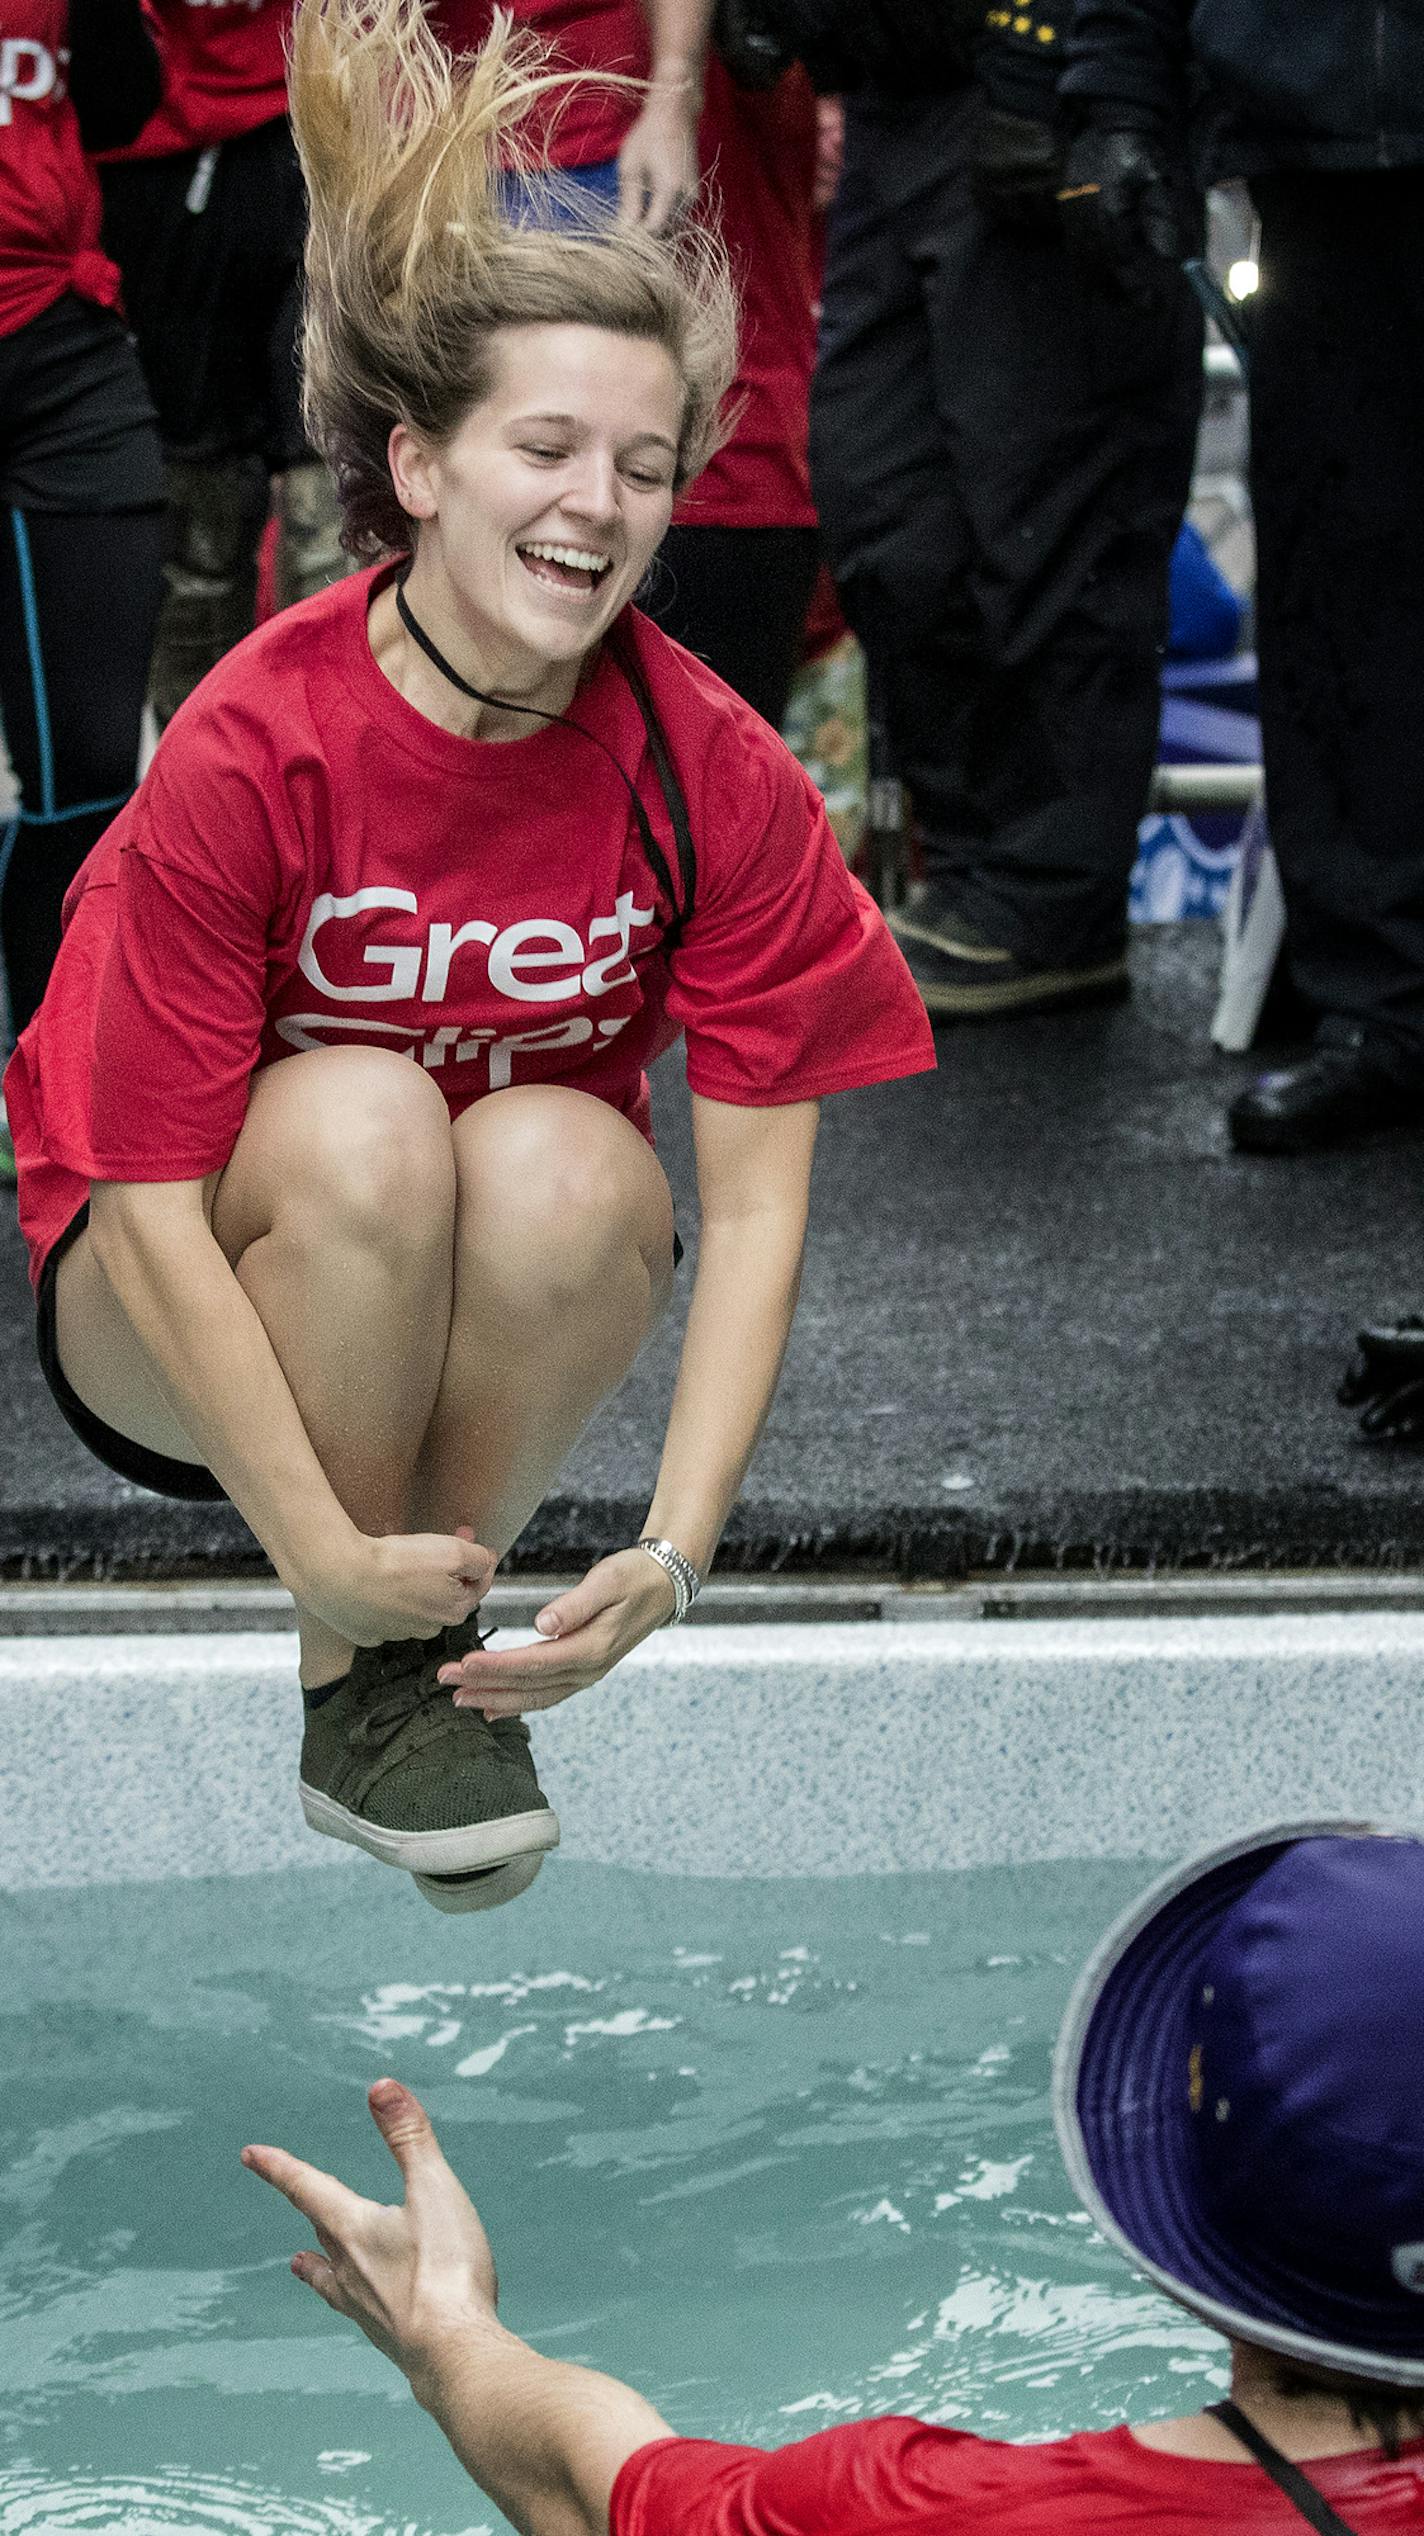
x=77 y=431
x=209 y=243
x=158 y=1471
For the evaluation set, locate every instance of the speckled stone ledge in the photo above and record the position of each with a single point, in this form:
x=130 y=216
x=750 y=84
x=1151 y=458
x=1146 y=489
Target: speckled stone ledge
x=826 y=1750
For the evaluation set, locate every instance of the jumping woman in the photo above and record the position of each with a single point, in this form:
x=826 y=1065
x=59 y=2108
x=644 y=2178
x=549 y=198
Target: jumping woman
x=333 y=1128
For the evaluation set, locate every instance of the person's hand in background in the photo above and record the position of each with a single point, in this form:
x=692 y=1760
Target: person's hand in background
x=1127 y=204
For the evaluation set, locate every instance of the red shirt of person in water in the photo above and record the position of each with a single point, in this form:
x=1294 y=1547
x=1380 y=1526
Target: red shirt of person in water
x=908 y=2478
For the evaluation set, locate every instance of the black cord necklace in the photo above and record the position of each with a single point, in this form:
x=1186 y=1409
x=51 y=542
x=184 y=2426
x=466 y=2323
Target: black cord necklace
x=662 y=764
x=477 y=695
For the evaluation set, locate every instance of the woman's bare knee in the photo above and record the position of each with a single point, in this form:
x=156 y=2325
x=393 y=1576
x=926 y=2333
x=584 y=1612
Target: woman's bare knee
x=563 y=1186
x=341 y=1144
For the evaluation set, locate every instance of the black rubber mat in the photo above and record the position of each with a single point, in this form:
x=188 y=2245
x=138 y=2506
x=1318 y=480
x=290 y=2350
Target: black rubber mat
x=1049 y=1320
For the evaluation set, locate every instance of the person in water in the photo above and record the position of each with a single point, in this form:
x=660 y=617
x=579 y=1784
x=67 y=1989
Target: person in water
x=333 y=1129
x=1238 y=2101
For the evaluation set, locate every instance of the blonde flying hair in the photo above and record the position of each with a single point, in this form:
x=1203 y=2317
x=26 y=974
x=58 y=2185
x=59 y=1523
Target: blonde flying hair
x=414 y=263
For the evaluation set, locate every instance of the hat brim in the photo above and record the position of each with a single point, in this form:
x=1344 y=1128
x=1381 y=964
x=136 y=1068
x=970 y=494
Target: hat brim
x=1125 y=2125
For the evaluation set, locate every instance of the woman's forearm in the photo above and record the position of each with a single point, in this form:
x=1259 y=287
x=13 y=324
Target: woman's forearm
x=219 y=1370
x=543 y=2438
x=677 y=40
x=743 y=1305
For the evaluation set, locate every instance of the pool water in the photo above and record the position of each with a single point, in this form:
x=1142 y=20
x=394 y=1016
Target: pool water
x=777 y=2152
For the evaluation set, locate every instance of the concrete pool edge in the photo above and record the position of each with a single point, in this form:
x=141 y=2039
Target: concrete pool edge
x=835 y=1748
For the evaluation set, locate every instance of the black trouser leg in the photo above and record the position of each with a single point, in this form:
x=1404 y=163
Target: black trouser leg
x=1337 y=482
x=210 y=246
x=78 y=605
x=1001 y=449
x=893 y=524
x=738 y=598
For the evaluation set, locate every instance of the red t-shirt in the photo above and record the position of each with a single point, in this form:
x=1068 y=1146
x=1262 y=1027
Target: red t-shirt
x=904 y=2478
x=224 y=73
x=596 y=35
x=757 y=153
x=311 y=863
x=50 y=209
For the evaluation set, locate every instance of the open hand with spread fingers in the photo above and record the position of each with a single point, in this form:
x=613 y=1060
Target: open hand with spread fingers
x=544 y=2438
x=410 y=2275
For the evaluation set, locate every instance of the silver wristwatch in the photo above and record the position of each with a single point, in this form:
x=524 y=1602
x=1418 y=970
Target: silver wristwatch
x=686 y=1583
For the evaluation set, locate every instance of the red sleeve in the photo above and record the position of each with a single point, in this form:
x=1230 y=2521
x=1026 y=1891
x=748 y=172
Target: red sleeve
x=787 y=981
x=860 y=2478
x=181 y=997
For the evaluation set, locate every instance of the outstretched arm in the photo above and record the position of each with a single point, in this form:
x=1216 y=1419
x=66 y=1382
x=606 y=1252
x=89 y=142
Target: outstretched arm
x=544 y=2439
x=754 y=1182
x=754 y=1188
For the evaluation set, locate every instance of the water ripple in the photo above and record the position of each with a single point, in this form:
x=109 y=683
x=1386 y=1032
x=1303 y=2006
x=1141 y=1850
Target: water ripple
x=183 y=2505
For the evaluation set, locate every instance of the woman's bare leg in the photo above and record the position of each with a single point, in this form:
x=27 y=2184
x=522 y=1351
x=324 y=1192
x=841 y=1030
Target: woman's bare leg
x=337 y=1214
x=449 y=1307
x=563 y=1264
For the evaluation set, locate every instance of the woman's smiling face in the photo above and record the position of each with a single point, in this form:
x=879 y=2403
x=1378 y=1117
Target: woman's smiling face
x=543 y=510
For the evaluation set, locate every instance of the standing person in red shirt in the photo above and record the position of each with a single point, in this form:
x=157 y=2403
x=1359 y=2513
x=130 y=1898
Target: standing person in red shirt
x=333 y=1129
x=738 y=567
x=736 y=570
x=1238 y=2101
x=205 y=216
x=79 y=467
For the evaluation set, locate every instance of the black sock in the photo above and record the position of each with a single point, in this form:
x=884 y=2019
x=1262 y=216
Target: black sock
x=323 y=1692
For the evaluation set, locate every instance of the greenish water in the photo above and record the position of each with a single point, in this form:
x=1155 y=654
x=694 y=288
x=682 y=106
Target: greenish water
x=777 y=2152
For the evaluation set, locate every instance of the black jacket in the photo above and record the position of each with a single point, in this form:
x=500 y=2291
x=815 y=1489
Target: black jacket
x=1269 y=84
x=903 y=49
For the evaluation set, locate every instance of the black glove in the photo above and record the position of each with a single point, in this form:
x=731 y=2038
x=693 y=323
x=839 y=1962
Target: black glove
x=1125 y=205
x=1386 y=1383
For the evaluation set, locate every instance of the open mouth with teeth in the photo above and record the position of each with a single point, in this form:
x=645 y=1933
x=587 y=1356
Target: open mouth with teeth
x=565 y=567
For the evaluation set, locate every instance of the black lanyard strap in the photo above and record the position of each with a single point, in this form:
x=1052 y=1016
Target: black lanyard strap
x=663 y=768
x=1299 y=2491
x=674 y=801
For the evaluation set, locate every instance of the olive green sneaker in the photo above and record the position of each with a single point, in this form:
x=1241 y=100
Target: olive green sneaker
x=486 y=1887
x=392 y=1765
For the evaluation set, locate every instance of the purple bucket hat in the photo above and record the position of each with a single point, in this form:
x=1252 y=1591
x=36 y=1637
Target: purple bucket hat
x=1239 y=2092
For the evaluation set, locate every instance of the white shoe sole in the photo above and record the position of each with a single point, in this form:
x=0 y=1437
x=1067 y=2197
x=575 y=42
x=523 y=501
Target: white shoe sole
x=462 y=1851
x=482 y=1892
